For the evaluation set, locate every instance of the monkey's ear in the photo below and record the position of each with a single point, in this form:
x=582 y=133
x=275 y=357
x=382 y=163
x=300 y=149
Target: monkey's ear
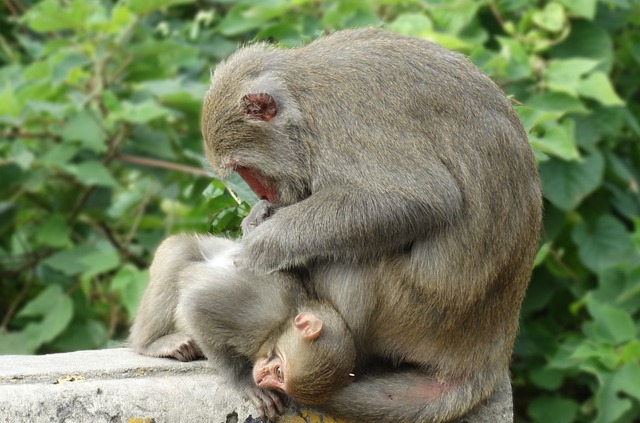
x=308 y=325
x=260 y=106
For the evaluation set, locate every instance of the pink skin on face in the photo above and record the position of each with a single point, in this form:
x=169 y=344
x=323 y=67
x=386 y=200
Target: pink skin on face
x=268 y=373
x=264 y=189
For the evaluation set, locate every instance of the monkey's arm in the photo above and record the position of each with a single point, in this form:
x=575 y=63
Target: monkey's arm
x=343 y=223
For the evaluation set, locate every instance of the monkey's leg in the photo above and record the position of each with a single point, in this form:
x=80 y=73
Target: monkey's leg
x=156 y=331
x=410 y=397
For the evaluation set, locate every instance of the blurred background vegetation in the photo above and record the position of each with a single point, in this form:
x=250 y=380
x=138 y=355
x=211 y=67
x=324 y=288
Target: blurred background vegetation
x=101 y=158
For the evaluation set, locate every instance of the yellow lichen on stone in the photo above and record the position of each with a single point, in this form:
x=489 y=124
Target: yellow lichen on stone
x=310 y=417
x=290 y=419
x=328 y=419
x=69 y=379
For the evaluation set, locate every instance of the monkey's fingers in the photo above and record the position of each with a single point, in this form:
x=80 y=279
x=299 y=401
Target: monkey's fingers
x=276 y=401
x=268 y=403
x=253 y=256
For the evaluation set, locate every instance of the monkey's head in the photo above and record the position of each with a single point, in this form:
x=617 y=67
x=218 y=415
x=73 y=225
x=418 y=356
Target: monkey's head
x=251 y=124
x=311 y=360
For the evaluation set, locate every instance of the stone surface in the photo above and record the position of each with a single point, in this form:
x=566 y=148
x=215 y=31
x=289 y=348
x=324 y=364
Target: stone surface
x=119 y=385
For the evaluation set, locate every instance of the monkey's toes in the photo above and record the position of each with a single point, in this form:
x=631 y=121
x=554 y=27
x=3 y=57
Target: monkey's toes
x=187 y=351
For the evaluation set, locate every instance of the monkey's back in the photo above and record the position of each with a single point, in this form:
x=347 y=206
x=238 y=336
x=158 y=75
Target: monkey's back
x=392 y=109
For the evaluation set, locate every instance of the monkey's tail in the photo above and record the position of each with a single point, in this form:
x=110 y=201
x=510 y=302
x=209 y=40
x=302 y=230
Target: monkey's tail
x=410 y=397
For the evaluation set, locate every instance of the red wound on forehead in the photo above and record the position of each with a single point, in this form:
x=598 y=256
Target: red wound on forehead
x=264 y=189
x=259 y=106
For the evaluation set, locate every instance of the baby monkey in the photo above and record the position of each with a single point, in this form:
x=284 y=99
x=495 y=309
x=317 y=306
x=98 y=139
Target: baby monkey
x=263 y=336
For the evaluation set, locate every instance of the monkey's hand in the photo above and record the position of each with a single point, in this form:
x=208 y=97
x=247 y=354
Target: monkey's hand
x=268 y=403
x=262 y=253
x=260 y=212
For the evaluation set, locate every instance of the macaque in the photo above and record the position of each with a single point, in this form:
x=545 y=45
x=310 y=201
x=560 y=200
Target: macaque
x=403 y=183
x=264 y=336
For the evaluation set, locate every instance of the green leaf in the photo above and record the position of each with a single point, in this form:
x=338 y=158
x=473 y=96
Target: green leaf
x=129 y=283
x=565 y=75
x=582 y=8
x=566 y=184
x=287 y=34
x=99 y=262
x=627 y=379
x=603 y=244
x=630 y=353
x=69 y=262
x=597 y=86
x=83 y=128
x=54 y=15
x=413 y=24
x=609 y=405
x=121 y=17
x=82 y=335
x=92 y=173
x=65 y=70
x=244 y=18
x=175 y=87
x=9 y=104
x=588 y=353
x=558 y=140
x=54 y=232
x=547 y=378
x=57 y=309
x=60 y=155
x=454 y=17
x=12 y=177
x=542 y=254
x=552 y=17
x=560 y=103
x=611 y=325
x=16 y=343
x=518 y=64
x=66 y=262
x=552 y=409
x=143 y=7
x=587 y=40
x=143 y=112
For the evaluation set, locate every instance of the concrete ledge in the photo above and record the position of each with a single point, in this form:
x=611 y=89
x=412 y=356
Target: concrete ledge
x=119 y=385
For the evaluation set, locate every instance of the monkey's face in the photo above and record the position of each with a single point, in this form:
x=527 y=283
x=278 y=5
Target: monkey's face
x=250 y=135
x=269 y=373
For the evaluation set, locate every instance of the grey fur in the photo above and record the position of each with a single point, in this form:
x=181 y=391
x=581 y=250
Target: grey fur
x=408 y=187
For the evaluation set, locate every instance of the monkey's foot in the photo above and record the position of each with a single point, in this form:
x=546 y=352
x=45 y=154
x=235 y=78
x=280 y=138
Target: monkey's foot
x=175 y=345
x=268 y=403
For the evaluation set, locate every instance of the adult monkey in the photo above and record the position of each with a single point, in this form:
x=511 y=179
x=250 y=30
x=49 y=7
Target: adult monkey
x=404 y=181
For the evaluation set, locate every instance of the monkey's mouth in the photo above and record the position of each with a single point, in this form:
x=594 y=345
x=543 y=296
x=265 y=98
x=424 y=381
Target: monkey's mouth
x=263 y=188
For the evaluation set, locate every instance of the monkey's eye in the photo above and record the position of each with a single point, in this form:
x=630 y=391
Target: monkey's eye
x=279 y=374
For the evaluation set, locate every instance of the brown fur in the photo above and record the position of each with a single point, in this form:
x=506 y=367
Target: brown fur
x=406 y=185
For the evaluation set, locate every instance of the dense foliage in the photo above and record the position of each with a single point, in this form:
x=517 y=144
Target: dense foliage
x=100 y=158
